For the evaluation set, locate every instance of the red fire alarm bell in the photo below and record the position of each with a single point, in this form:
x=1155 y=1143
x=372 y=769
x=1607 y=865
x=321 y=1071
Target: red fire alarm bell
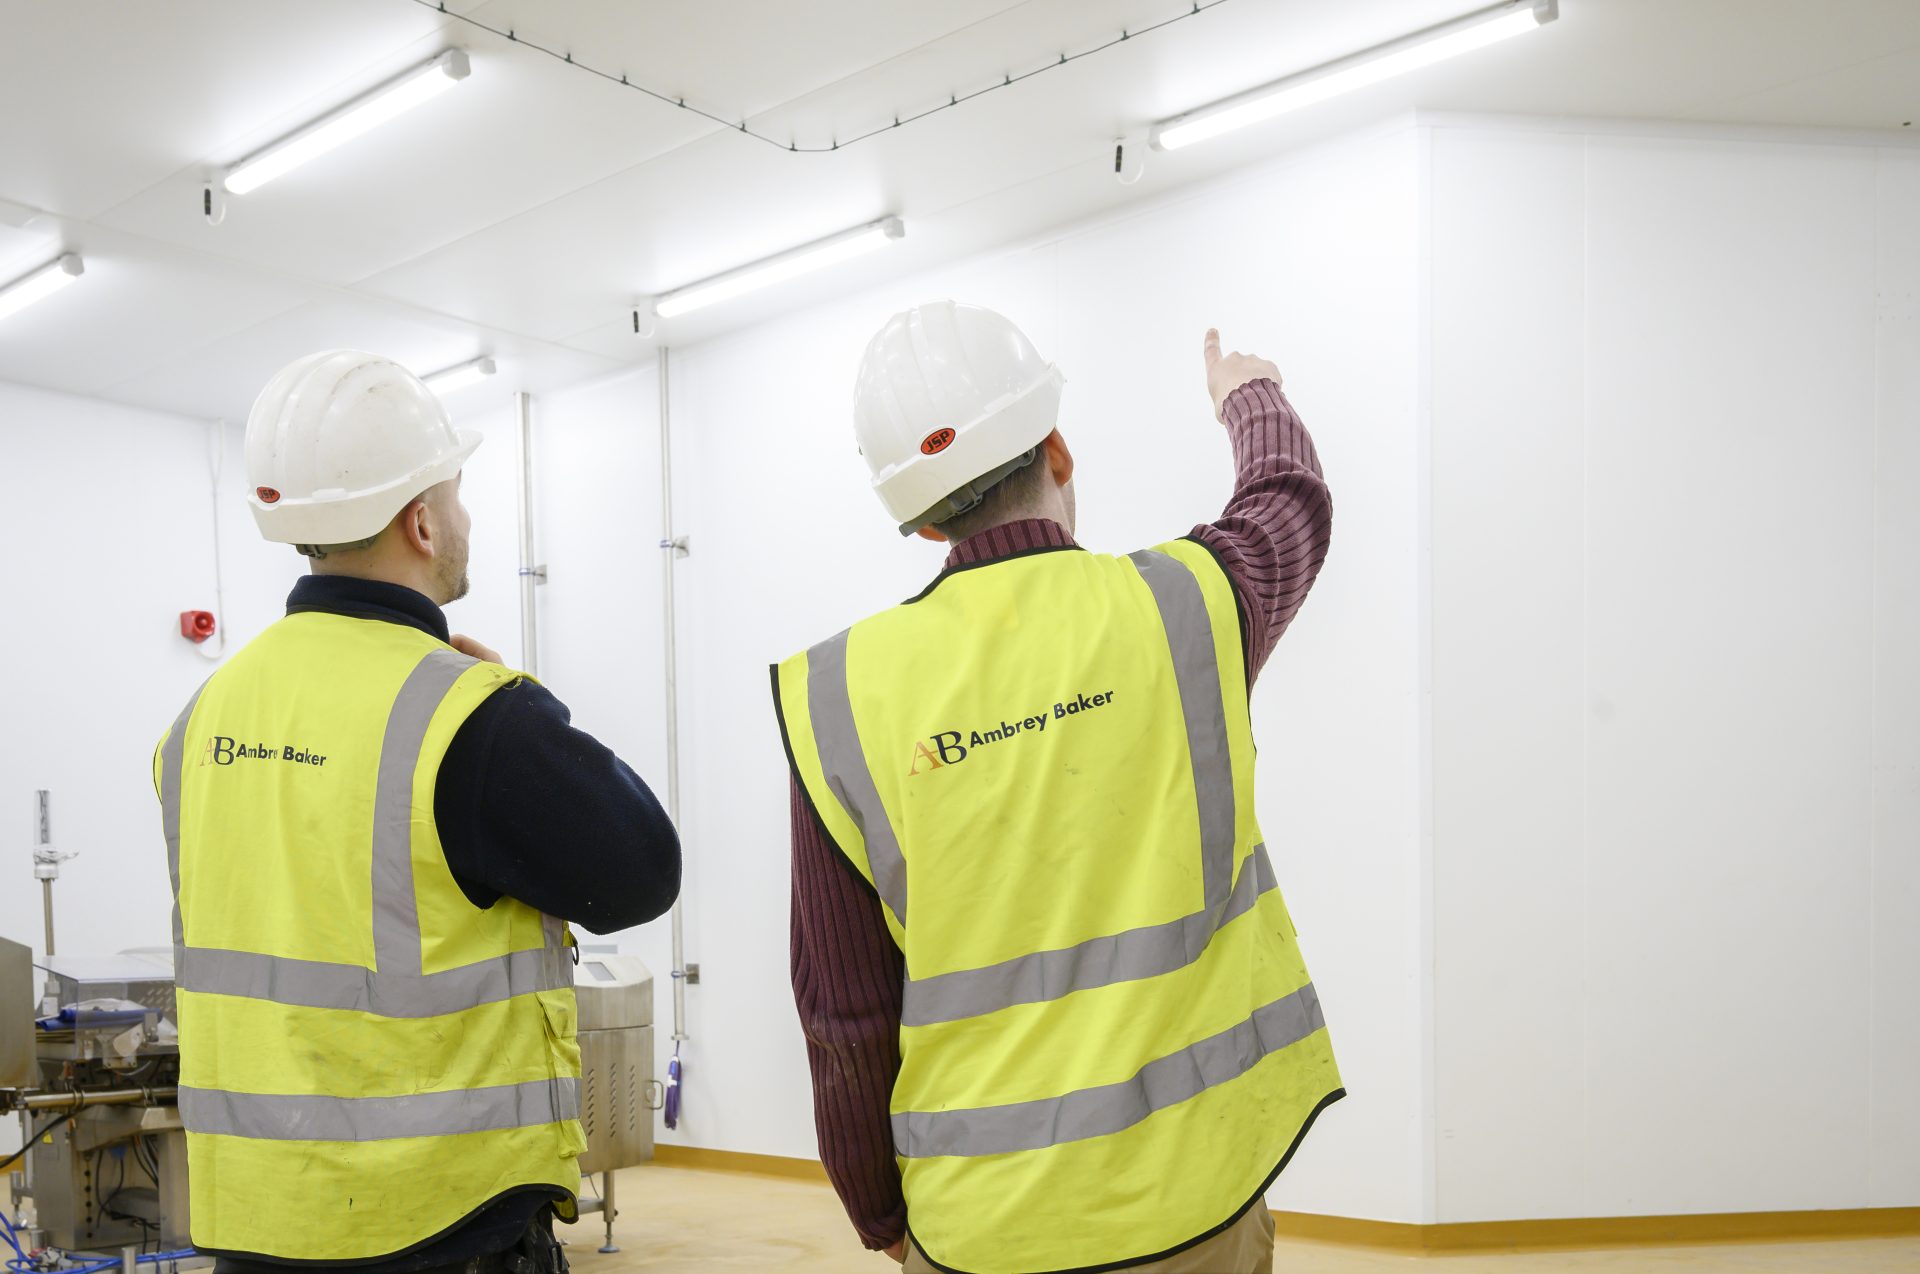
x=196 y=625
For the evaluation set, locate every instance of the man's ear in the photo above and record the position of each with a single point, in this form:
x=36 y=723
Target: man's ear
x=1059 y=459
x=933 y=533
x=416 y=527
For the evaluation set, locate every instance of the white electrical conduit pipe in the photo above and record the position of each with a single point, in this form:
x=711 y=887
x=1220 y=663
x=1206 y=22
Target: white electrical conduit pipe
x=673 y=547
x=530 y=574
x=216 y=465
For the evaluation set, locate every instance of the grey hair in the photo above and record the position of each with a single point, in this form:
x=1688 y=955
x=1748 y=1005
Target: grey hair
x=1015 y=496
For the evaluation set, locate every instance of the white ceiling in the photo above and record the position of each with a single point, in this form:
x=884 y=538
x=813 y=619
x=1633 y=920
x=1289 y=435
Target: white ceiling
x=522 y=213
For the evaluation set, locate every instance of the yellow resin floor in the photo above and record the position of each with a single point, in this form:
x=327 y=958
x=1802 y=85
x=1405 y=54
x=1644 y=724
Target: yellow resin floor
x=690 y=1221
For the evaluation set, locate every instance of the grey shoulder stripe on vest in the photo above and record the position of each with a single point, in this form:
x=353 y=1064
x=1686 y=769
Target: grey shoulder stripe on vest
x=1110 y=1108
x=173 y=758
x=1145 y=952
x=396 y=917
x=277 y=1117
x=319 y=985
x=830 y=704
x=1183 y=612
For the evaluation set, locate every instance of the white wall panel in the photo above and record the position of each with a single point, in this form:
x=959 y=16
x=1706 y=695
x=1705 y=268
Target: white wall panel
x=1674 y=818
x=1729 y=391
x=1508 y=534
x=1894 y=1026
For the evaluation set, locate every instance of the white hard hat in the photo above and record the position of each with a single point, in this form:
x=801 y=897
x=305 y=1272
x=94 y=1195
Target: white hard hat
x=950 y=400
x=338 y=443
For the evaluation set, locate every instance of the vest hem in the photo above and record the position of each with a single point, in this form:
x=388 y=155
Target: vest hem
x=1132 y=1261
x=554 y=1193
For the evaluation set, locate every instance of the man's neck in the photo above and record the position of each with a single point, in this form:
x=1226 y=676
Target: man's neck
x=1009 y=539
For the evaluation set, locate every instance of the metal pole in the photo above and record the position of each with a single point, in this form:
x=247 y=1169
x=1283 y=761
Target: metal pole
x=46 y=859
x=607 y=1210
x=109 y=1097
x=530 y=574
x=673 y=547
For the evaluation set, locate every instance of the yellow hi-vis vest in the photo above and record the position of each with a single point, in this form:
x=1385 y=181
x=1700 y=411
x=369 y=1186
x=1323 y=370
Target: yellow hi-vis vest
x=1044 y=768
x=366 y=1058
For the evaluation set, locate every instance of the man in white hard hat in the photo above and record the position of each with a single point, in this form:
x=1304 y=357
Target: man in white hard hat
x=377 y=834
x=1055 y=1011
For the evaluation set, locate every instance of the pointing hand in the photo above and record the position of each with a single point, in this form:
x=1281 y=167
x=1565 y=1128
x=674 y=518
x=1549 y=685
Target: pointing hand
x=1228 y=372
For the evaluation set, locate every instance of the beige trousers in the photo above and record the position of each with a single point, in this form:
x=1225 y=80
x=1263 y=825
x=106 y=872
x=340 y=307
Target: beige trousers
x=1245 y=1247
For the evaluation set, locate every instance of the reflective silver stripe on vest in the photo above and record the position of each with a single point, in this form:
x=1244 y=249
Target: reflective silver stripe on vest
x=304 y=1117
x=1183 y=611
x=830 y=705
x=1099 y=1112
x=1146 y=952
x=173 y=757
x=396 y=917
x=318 y=985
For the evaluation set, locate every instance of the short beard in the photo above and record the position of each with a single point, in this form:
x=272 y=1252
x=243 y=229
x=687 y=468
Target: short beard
x=452 y=573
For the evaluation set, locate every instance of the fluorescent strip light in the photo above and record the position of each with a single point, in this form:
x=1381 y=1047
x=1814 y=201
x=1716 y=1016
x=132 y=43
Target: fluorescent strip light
x=777 y=269
x=1396 y=57
x=356 y=117
x=447 y=380
x=42 y=283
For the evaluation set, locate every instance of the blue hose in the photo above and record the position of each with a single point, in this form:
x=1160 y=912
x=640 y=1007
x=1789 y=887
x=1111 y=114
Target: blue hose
x=21 y=1265
x=25 y=1267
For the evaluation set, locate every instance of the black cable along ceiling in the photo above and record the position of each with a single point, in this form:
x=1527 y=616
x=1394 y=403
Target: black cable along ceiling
x=1007 y=80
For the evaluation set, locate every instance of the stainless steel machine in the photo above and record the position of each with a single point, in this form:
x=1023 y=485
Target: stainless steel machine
x=618 y=1093
x=104 y=1170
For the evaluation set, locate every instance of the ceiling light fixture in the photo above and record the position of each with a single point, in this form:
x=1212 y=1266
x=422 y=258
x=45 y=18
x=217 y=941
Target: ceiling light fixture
x=460 y=376
x=776 y=269
x=41 y=283
x=367 y=111
x=1370 y=66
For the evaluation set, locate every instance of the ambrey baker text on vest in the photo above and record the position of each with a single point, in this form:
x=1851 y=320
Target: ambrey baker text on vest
x=950 y=747
x=223 y=750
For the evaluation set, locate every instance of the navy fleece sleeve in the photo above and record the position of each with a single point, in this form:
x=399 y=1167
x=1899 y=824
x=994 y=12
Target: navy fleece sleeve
x=530 y=808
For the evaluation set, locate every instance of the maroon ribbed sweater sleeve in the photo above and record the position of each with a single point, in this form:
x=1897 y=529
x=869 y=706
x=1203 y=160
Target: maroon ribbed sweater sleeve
x=1273 y=535
x=847 y=978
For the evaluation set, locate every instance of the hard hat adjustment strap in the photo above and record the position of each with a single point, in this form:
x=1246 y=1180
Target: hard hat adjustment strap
x=967 y=498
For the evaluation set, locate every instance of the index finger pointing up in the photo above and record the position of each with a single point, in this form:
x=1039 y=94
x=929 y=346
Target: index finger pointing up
x=1212 y=346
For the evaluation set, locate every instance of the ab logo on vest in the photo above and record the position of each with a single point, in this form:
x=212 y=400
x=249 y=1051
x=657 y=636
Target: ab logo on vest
x=222 y=750
x=951 y=747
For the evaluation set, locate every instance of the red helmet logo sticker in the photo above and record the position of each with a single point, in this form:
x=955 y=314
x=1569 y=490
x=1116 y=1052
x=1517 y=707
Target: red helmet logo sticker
x=937 y=441
x=267 y=495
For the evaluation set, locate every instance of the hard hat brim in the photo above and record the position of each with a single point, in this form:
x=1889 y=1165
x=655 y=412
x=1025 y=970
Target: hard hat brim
x=349 y=517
